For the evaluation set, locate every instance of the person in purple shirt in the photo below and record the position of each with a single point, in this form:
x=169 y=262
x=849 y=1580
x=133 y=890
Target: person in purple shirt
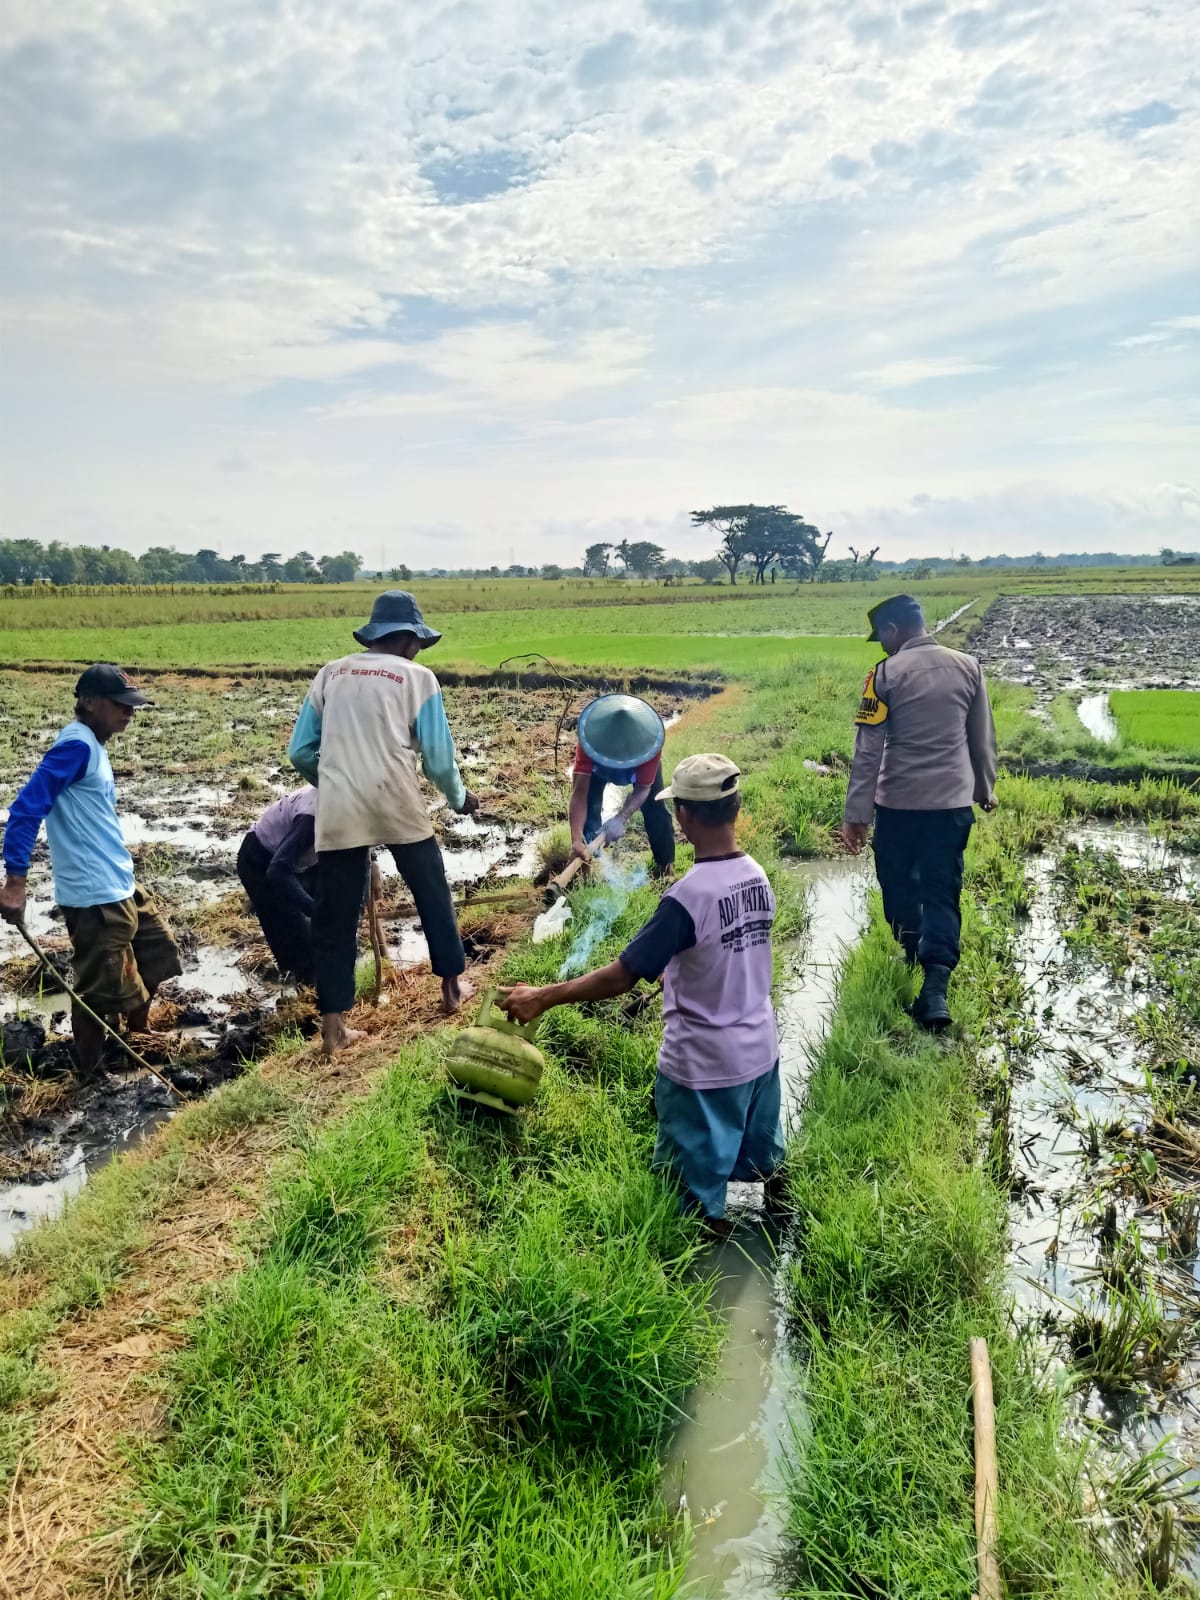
x=277 y=865
x=717 y=1090
x=121 y=949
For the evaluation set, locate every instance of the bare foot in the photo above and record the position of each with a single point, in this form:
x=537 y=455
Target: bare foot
x=335 y=1035
x=455 y=991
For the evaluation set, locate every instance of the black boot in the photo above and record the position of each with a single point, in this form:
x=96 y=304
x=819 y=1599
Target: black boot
x=930 y=1010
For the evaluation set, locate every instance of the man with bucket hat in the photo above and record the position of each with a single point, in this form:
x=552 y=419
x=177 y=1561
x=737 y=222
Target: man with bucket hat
x=121 y=949
x=620 y=741
x=924 y=756
x=367 y=721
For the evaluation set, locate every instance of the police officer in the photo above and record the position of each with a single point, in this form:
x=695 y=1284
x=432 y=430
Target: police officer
x=924 y=755
x=620 y=741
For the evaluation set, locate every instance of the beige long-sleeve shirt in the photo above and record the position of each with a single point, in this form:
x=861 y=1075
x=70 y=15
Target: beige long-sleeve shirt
x=925 y=739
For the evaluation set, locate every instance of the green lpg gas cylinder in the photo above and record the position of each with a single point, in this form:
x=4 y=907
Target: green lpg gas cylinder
x=495 y=1062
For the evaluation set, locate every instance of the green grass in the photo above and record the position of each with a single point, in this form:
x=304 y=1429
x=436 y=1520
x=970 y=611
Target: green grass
x=1162 y=719
x=455 y=1355
x=901 y=1241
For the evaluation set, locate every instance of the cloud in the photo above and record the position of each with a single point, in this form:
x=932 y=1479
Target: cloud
x=588 y=257
x=922 y=369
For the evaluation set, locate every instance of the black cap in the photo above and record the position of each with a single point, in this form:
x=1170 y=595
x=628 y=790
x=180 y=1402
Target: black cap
x=106 y=682
x=902 y=609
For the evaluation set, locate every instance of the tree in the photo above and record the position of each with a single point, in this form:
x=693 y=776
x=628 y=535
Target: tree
x=820 y=558
x=595 y=560
x=341 y=568
x=401 y=574
x=775 y=536
x=730 y=523
x=552 y=572
x=270 y=566
x=643 y=558
x=63 y=565
x=622 y=550
x=708 y=571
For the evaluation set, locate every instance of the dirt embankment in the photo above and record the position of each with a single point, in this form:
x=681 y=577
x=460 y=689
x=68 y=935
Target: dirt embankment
x=1060 y=642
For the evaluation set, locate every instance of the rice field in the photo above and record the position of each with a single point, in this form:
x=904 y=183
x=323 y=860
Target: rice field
x=1160 y=719
x=323 y=1336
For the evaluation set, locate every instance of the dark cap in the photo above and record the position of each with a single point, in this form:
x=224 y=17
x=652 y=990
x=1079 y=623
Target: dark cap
x=106 y=682
x=903 y=610
x=396 y=611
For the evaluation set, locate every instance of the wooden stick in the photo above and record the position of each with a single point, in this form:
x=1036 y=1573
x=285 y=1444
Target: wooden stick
x=987 y=1477
x=405 y=908
x=83 y=1006
x=373 y=894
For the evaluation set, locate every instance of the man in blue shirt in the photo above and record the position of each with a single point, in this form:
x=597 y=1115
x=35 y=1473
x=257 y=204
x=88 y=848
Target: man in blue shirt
x=121 y=948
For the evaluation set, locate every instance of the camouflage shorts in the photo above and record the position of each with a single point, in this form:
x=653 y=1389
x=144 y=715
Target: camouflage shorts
x=120 y=952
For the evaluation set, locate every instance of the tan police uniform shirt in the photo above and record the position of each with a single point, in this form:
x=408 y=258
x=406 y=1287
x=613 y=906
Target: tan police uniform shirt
x=925 y=739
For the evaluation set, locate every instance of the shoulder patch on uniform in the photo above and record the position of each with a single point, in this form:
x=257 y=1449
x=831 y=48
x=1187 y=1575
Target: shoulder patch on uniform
x=871 y=710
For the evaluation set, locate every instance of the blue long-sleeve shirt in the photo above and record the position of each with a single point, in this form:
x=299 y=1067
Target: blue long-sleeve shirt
x=73 y=792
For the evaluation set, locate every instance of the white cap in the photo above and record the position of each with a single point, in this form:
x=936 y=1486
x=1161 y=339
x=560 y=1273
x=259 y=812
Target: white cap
x=708 y=777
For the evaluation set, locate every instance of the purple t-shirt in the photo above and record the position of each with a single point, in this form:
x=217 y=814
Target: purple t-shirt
x=277 y=821
x=710 y=939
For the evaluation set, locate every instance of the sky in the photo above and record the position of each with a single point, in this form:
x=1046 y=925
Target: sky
x=455 y=284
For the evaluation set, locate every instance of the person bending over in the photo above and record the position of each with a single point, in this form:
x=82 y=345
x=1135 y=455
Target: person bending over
x=277 y=864
x=717 y=1089
x=620 y=741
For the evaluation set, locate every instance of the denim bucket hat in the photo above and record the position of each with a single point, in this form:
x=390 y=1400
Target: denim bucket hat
x=396 y=611
x=618 y=730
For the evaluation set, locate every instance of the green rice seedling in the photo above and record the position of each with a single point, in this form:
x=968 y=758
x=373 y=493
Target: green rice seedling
x=1131 y=1341
x=1164 y=719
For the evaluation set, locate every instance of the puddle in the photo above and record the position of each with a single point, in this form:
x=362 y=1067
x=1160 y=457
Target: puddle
x=1097 y=718
x=724 y=1466
x=954 y=615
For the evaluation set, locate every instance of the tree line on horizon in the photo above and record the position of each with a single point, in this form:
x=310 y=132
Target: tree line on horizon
x=763 y=542
x=27 y=562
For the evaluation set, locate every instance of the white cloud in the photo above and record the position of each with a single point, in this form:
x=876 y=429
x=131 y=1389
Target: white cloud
x=619 y=250
x=921 y=369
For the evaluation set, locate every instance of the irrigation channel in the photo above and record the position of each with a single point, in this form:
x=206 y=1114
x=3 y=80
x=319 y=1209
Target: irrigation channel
x=723 y=1469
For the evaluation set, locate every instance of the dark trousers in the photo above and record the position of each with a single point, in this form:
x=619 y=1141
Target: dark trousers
x=919 y=863
x=341 y=893
x=660 y=828
x=281 y=915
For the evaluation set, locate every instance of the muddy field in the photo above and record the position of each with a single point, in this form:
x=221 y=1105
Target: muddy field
x=193 y=774
x=1055 y=644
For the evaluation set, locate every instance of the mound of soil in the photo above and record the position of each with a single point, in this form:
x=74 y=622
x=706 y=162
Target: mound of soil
x=1057 y=642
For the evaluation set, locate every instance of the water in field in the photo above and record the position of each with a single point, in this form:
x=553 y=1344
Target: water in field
x=725 y=1464
x=1096 y=716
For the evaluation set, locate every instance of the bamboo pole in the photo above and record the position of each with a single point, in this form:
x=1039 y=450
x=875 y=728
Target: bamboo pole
x=373 y=893
x=987 y=1478
x=83 y=1006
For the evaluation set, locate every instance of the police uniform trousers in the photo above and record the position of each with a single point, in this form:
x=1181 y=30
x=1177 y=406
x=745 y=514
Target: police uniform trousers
x=919 y=864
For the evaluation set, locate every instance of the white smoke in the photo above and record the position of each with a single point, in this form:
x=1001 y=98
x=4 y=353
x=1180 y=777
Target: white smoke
x=618 y=884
